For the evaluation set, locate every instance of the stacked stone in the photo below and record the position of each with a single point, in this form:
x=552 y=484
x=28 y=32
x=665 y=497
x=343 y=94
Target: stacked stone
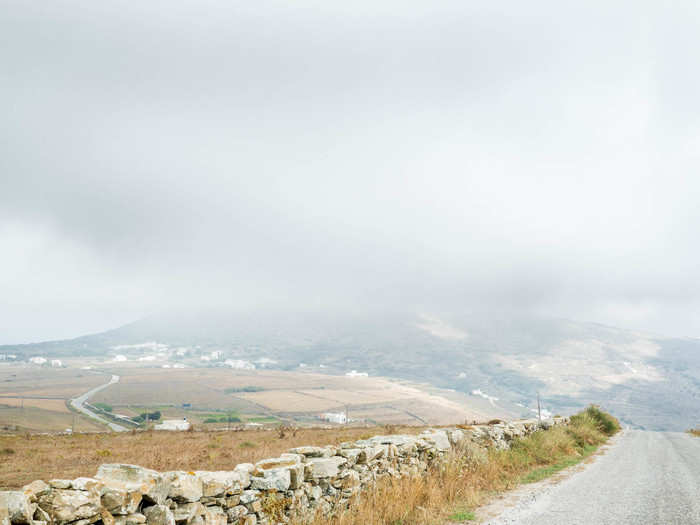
x=300 y=483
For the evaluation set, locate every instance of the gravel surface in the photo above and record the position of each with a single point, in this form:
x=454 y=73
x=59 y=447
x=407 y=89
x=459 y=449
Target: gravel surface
x=644 y=478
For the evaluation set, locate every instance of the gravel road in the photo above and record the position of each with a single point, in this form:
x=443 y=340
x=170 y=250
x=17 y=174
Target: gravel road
x=644 y=478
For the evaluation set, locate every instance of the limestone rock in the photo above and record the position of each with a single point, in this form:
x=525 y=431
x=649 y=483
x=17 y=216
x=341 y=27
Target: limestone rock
x=18 y=505
x=275 y=479
x=244 y=469
x=35 y=489
x=222 y=483
x=324 y=467
x=235 y=513
x=60 y=483
x=184 y=486
x=311 y=452
x=351 y=454
x=248 y=496
x=370 y=453
x=119 y=500
x=214 y=516
x=276 y=473
x=64 y=505
x=249 y=519
x=438 y=438
x=151 y=484
x=187 y=511
x=159 y=515
x=130 y=519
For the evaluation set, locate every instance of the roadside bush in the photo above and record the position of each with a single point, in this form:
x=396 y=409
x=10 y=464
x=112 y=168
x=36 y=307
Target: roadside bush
x=151 y=416
x=606 y=423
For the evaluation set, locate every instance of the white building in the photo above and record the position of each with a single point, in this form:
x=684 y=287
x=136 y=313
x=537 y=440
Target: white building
x=37 y=360
x=56 y=363
x=239 y=364
x=335 y=417
x=355 y=373
x=173 y=424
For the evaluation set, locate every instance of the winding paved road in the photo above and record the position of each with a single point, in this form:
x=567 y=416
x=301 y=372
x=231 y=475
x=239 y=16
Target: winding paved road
x=644 y=478
x=79 y=404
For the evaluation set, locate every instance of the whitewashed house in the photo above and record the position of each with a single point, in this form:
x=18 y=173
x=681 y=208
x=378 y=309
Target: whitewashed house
x=173 y=424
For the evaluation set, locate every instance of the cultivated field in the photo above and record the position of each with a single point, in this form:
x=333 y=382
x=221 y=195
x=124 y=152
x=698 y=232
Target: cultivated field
x=297 y=396
x=34 y=398
x=26 y=458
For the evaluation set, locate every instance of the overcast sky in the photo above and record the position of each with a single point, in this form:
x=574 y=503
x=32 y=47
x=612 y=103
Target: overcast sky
x=532 y=156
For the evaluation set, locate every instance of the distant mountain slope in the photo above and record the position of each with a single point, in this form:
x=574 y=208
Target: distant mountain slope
x=647 y=381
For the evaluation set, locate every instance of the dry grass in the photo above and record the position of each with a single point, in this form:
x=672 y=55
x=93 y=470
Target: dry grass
x=55 y=405
x=69 y=456
x=32 y=419
x=469 y=478
x=694 y=432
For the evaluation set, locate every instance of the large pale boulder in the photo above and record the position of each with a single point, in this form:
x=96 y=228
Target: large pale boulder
x=35 y=489
x=274 y=479
x=223 y=483
x=235 y=513
x=311 y=452
x=64 y=505
x=244 y=469
x=249 y=496
x=370 y=453
x=277 y=473
x=214 y=516
x=86 y=484
x=438 y=438
x=187 y=511
x=18 y=505
x=351 y=454
x=151 y=484
x=184 y=486
x=159 y=515
x=119 y=500
x=324 y=467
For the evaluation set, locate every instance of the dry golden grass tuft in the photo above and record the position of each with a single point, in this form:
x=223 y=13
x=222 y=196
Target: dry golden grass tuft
x=694 y=432
x=69 y=456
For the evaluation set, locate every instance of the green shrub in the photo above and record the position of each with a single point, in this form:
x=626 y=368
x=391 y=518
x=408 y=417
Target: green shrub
x=606 y=423
x=151 y=416
x=223 y=419
x=235 y=390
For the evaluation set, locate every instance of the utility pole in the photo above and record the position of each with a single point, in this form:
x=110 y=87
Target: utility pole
x=72 y=427
x=539 y=408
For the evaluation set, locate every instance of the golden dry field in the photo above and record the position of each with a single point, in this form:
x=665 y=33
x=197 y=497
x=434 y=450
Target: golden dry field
x=290 y=395
x=34 y=398
x=26 y=458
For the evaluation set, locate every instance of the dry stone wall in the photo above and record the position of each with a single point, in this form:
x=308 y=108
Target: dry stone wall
x=300 y=483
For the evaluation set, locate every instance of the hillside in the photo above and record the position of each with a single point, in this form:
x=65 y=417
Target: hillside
x=504 y=357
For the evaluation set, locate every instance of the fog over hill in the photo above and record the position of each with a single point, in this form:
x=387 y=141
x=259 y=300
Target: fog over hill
x=648 y=381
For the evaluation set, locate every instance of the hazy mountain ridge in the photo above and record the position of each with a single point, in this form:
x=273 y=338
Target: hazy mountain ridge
x=510 y=358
